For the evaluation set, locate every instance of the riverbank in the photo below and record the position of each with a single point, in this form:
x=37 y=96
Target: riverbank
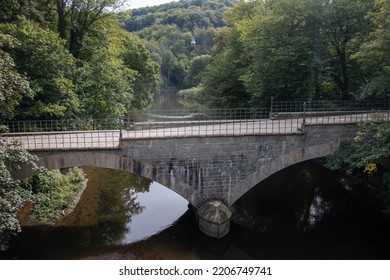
x=59 y=194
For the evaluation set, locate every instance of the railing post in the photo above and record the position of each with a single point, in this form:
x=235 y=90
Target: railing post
x=120 y=129
x=272 y=105
x=304 y=116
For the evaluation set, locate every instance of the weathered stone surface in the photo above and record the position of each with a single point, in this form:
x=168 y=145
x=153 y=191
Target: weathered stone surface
x=214 y=219
x=207 y=168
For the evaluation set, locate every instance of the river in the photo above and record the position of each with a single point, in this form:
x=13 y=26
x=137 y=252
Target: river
x=302 y=212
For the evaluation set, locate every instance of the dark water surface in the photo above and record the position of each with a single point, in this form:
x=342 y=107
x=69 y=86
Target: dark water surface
x=303 y=212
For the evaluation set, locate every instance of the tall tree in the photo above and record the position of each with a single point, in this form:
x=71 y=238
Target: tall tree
x=345 y=26
x=48 y=66
x=222 y=83
x=117 y=72
x=146 y=73
x=196 y=70
x=374 y=54
x=13 y=86
x=281 y=46
x=104 y=85
x=77 y=17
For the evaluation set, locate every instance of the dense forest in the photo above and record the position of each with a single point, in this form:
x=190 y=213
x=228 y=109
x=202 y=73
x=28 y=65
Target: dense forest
x=70 y=59
x=240 y=56
x=300 y=49
x=180 y=36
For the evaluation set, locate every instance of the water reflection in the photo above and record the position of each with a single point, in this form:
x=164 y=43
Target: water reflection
x=159 y=213
x=293 y=200
x=107 y=206
x=302 y=212
x=116 y=205
x=115 y=209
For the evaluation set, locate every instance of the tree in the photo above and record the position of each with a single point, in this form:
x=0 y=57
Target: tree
x=48 y=66
x=40 y=11
x=146 y=74
x=13 y=86
x=345 y=26
x=196 y=70
x=369 y=149
x=280 y=48
x=104 y=86
x=78 y=18
x=13 y=194
x=117 y=72
x=222 y=85
x=374 y=54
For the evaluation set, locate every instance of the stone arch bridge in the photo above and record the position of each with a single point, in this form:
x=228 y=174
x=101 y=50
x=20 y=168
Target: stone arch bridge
x=201 y=169
x=202 y=161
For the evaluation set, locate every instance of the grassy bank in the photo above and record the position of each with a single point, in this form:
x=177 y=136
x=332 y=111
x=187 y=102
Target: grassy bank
x=55 y=193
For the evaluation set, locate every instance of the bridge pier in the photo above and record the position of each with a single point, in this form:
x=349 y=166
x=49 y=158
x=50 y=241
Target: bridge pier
x=214 y=219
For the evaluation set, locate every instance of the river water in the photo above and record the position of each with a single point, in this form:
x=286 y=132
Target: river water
x=302 y=212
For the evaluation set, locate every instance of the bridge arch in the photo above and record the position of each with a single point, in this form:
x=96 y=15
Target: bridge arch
x=279 y=163
x=111 y=159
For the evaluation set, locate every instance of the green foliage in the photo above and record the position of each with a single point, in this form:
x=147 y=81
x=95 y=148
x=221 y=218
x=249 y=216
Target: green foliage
x=50 y=190
x=42 y=57
x=13 y=86
x=105 y=86
x=184 y=14
x=170 y=30
x=344 y=28
x=13 y=194
x=146 y=73
x=279 y=48
x=374 y=53
x=369 y=148
x=196 y=70
x=299 y=49
x=40 y=11
x=55 y=192
x=222 y=83
x=194 y=93
x=367 y=155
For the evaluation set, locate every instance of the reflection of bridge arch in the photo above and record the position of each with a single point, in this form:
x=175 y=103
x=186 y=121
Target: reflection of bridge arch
x=110 y=159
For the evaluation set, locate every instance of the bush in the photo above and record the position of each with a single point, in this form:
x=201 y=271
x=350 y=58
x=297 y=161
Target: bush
x=55 y=193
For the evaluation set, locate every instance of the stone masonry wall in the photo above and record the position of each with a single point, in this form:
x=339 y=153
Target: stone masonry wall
x=225 y=168
x=202 y=169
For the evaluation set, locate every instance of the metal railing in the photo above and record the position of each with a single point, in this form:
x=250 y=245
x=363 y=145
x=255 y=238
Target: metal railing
x=106 y=133
x=211 y=122
x=330 y=106
x=62 y=125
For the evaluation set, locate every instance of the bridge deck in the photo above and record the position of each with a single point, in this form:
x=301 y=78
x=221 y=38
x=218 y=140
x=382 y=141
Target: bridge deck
x=99 y=139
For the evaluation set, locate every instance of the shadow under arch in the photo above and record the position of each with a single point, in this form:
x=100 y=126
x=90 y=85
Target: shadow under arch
x=278 y=164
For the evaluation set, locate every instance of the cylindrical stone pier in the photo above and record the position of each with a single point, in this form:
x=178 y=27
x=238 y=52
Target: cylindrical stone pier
x=214 y=219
